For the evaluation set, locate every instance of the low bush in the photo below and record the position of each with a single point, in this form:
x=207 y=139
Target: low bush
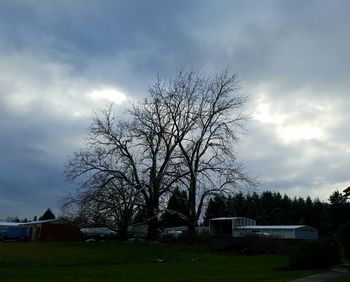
x=255 y=244
x=333 y=249
x=343 y=235
x=314 y=254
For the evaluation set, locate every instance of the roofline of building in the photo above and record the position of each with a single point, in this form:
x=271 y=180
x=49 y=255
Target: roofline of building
x=5 y=223
x=287 y=227
x=37 y=222
x=229 y=218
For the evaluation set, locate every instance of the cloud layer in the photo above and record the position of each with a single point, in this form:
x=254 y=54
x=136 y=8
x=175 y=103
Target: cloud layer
x=62 y=60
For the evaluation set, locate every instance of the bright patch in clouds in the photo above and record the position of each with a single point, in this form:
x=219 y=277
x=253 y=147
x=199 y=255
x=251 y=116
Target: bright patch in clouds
x=265 y=114
x=299 y=132
x=296 y=120
x=110 y=94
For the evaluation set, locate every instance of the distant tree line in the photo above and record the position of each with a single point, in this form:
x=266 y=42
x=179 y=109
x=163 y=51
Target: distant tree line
x=267 y=208
x=16 y=219
x=272 y=208
x=48 y=214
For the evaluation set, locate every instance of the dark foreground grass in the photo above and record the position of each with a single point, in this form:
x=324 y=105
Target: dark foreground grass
x=110 y=261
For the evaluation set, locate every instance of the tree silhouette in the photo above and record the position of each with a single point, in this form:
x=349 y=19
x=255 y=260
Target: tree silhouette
x=176 y=213
x=48 y=214
x=182 y=135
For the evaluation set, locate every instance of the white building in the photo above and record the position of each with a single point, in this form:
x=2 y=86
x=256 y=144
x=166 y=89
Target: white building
x=243 y=226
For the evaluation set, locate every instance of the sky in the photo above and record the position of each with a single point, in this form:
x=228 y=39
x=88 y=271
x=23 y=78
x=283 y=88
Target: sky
x=61 y=61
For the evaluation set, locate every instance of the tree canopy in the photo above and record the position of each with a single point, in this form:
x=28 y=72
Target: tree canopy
x=48 y=214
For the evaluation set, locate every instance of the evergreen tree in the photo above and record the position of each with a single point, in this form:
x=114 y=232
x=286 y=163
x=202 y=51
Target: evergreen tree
x=339 y=210
x=320 y=217
x=286 y=212
x=253 y=205
x=236 y=205
x=176 y=213
x=270 y=209
x=48 y=214
x=220 y=207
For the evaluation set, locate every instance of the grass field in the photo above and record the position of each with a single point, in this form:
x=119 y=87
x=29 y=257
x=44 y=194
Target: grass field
x=111 y=261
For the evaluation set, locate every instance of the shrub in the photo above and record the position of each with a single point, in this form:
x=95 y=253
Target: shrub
x=314 y=254
x=255 y=244
x=333 y=249
x=343 y=235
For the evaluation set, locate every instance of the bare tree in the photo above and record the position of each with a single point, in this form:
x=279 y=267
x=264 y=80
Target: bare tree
x=182 y=134
x=105 y=195
x=206 y=162
x=137 y=151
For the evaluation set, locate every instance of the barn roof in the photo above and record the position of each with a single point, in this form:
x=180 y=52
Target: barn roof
x=228 y=218
x=5 y=223
x=37 y=222
x=276 y=227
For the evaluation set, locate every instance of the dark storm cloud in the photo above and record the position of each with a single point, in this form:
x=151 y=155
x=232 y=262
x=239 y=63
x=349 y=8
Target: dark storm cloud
x=33 y=152
x=292 y=57
x=102 y=39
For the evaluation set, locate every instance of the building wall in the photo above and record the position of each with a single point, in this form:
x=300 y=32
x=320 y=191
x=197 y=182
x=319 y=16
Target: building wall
x=227 y=226
x=138 y=231
x=54 y=232
x=301 y=234
x=279 y=233
x=59 y=232
x=34 y=232
x=221 y=227
x=15 y=232
x=242 y=221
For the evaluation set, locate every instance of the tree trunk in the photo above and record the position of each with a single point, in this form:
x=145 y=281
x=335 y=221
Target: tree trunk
x=152 y=212
x=153 y=228
x=191 y=232
x=123 y=233
x=192 y=213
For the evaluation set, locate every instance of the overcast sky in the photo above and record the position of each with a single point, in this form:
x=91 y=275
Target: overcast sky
x=62 y=60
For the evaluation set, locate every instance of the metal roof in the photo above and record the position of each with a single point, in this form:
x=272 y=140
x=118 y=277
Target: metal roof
x=274 y=227
x=228 y=218
x=37 y=222
x=5 y=223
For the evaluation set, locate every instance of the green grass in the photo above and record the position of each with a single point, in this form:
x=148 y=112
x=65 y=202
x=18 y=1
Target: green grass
x=110 y=261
